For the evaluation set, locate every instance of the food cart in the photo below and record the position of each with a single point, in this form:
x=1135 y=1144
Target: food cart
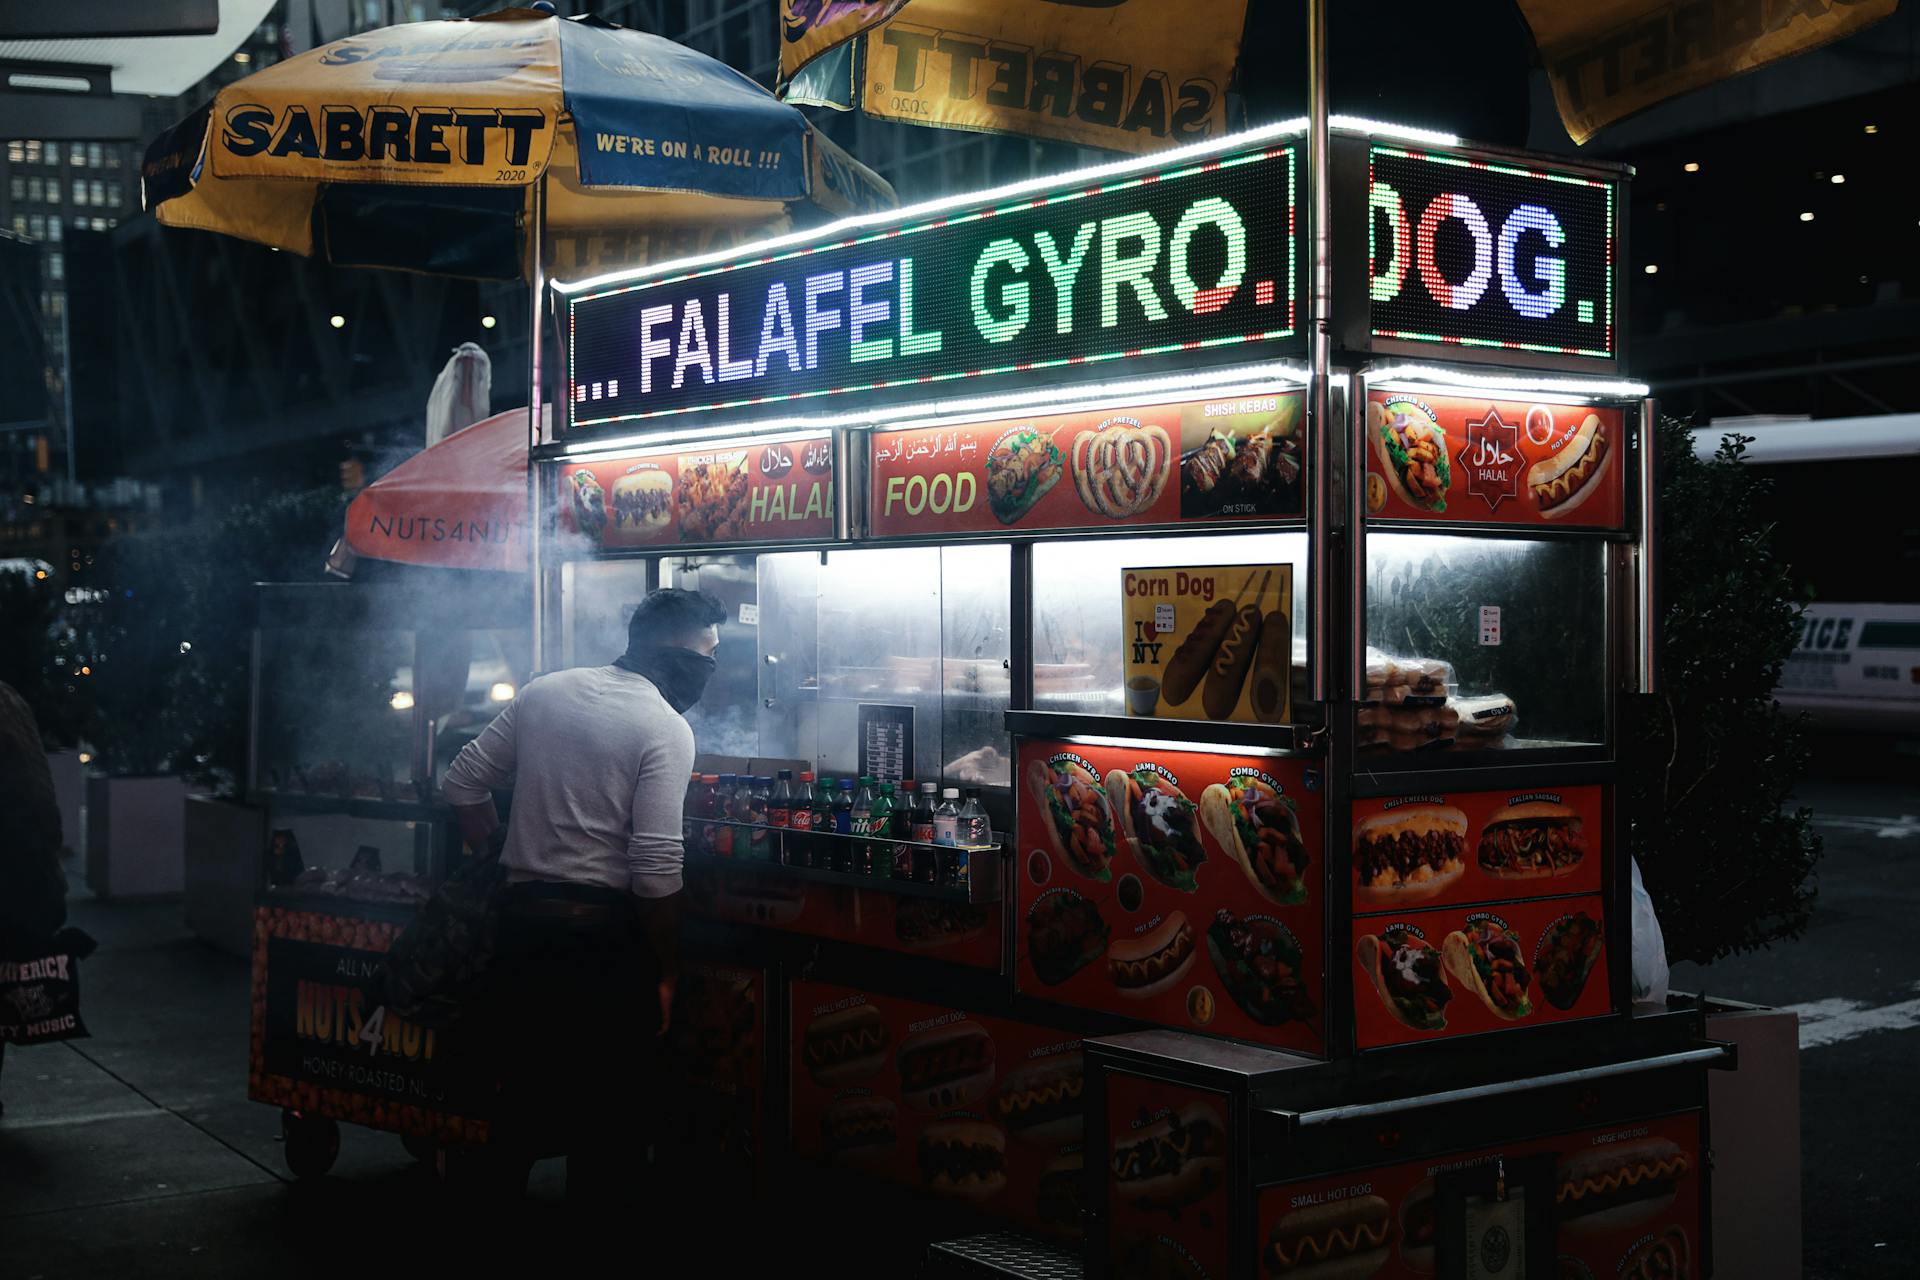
x=362 y=695
x=1300 y=943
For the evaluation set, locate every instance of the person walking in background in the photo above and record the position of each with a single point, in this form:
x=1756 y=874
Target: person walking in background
x=33 y=888
x=586 y=960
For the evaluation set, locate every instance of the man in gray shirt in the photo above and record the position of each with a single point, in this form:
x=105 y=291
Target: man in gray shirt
x=587 y=955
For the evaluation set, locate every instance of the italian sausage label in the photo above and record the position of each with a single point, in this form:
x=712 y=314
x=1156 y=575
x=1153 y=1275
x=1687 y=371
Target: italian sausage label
x=1484 y=461
x=1209 y=642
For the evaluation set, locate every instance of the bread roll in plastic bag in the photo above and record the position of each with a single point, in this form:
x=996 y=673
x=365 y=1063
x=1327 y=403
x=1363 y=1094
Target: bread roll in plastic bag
x=1649 y=947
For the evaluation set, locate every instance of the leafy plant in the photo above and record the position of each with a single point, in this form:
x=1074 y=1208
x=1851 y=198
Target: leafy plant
x=1729 y=867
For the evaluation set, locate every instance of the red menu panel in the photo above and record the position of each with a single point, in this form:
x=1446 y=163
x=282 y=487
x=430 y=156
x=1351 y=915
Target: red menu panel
x=957 y=932
x=1462 y=970
x=1174 y=887
x=718 y=1042
x=717 y=492
x=1460 y=458
x=1236 y=457
x=1627 y=1206
x=1167 y=1180
x=979 y=1109
x=1482 y=846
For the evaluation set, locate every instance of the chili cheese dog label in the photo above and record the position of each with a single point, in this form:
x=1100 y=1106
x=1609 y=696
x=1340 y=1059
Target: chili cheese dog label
x=1209 y=642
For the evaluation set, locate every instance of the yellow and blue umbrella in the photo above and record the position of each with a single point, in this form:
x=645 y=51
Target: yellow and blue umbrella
x=432 y=146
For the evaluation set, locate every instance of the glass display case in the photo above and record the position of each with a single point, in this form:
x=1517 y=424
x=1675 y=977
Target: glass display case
x=362 y=695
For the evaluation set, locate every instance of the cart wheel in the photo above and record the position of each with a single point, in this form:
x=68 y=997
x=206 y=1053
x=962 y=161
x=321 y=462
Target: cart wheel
x=420 y=1147
x=312 y=1143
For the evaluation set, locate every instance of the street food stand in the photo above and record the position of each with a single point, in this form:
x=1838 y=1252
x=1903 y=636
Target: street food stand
x=362 y=695
x=1296 y=700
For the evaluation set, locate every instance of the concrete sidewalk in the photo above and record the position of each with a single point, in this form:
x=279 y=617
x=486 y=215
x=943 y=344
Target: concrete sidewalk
x=136 y=1152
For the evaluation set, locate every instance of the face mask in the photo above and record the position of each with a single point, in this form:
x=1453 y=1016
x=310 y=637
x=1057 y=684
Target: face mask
x=681 y=675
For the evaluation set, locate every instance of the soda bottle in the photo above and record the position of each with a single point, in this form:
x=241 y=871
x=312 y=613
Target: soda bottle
x=903 y=803
x=820 y=824
x=842 y=857
x=799 y=846
x=720 y=834
x=758 y=798
x=780 y=803
x=974 y=831
x=860 y=825
x=922 y=833
x=880 y=823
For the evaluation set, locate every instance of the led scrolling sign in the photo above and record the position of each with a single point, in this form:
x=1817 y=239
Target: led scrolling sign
x=1494 y=259
x=1185 y=265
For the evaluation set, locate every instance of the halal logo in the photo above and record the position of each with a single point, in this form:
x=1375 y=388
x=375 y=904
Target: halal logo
x=775 y=461
x=1496 y=1246
x=1491 y=458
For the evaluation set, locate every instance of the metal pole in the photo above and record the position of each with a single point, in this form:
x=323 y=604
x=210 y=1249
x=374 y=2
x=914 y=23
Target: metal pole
x=1646 y=622
x=536 y=544
x=1319 y=276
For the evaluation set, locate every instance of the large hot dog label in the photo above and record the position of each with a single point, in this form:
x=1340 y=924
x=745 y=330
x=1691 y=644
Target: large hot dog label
x=964 y=1107
x=1455 y=971
x=1236 y=457
x=1478 y=846
x=1174 y=887
x=1209 y=642
x=726 y=492
x=1470 y=459
x=1626 y=1206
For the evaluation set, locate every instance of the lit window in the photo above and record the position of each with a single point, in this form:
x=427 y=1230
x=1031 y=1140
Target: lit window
x=1692 y=166
x=36 y=189
x=53 y=230
x=39 y=224
x=19 y=222
x=93 y=156
x=56 y=266
x=99 y=191
x=100 y=224
x=113 y=194
x=53 y=153
x=33 y=153
x=17 y=152
x=79 y=191
x=18 y=187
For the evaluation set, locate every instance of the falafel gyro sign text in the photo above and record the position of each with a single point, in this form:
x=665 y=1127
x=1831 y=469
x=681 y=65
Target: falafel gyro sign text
x=1175 y=265
x=716 y=491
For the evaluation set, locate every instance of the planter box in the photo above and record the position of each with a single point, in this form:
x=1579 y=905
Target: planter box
x=136 y=844
x=1755 y=1114
x=225 y=869
x=70 y=793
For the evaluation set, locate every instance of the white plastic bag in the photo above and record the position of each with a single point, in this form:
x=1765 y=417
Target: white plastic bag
x=462 y=393
x=1649 y=947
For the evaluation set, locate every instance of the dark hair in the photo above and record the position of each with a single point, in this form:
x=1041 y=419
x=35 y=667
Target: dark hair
x=669 y=617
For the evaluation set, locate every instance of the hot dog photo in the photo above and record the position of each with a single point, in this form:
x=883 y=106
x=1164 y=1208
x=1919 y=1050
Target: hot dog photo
x=1209 y=642
x=1494 y=461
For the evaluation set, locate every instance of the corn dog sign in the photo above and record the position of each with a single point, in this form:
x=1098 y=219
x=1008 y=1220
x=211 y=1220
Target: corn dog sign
x=1209 y=642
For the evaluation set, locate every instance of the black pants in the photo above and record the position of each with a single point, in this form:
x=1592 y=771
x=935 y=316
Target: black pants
x=575 y=1016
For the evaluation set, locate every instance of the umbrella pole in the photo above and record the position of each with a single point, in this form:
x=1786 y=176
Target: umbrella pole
x=535 y=371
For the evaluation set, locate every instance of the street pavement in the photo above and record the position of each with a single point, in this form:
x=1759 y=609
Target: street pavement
x=1854 y=979
x=136 y=1154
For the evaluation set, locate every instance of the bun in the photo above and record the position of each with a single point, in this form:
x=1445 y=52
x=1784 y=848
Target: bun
x=1620 y=1185
x=1586 y=452
x=1192 y=1164
x=946 y=1067
x=847 y=1044
x=963 y=1159
x=859 y=1127
x=1534 y=811
x=1041 y=1102
x=1413 y=822
x=1346 y=1240
x=1147 y=965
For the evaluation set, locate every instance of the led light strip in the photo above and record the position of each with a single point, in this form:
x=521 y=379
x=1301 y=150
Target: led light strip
x=771 y=434
x=1161 y=744
x=1421 y=373
x=902 y=417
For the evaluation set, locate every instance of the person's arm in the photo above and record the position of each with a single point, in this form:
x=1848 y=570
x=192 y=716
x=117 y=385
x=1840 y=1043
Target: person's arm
x=656 y=854
x=482 y=765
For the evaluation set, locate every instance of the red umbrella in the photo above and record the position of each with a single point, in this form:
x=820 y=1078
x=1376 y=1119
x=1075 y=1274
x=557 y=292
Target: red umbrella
x=460 y=504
